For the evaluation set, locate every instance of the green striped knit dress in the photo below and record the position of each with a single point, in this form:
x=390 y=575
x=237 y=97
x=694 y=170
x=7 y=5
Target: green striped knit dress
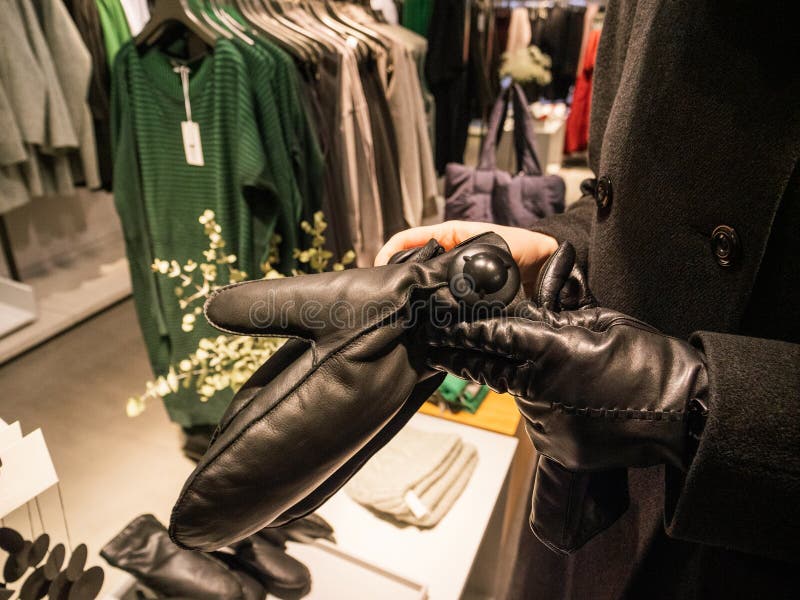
x=247 y=180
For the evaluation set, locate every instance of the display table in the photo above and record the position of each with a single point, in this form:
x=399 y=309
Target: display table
x=497 y=412
x=374 y=558
x=440 y=558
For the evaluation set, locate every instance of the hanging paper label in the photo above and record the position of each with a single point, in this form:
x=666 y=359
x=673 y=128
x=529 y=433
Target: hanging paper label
x=192 y=146
x=415 y=505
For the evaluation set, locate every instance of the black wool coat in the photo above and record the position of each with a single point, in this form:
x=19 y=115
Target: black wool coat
x=696 y=125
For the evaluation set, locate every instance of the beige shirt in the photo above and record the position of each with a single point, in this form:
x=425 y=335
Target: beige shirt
x=13 y=192
x=406 y=104
x=361 y=180
x=519 y=30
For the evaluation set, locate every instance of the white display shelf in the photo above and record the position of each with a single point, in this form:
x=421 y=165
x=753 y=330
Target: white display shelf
x=67 y=298
x=373 y=558
x=17 y=305
x=442 y=558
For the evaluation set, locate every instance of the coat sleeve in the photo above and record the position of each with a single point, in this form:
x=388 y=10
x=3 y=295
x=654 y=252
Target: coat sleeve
x=573 y=226
x=741 y=490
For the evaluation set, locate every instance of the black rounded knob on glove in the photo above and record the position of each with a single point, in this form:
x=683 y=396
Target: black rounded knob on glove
x=488 y=271
x=484 y=273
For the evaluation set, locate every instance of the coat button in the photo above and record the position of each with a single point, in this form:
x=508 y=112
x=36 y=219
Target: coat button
x=725 y=245
x=603 y=192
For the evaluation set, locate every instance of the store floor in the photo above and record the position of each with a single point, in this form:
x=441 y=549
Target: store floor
x=112 y=467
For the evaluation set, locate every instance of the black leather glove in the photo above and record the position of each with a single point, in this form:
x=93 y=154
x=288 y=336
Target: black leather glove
x=314 y=413
x=144 y=550
x=568 y=507
x=283 y=576
x=599 y=390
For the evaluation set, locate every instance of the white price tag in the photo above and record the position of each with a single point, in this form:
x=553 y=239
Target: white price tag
x=192 y=146
x=190 y=130
x=415 y=505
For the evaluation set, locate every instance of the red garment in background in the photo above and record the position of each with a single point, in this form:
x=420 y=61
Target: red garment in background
x=577 y=134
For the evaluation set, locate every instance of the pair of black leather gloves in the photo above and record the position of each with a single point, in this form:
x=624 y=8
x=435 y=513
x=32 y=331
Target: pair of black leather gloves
x=599 y=390
x=250 y=569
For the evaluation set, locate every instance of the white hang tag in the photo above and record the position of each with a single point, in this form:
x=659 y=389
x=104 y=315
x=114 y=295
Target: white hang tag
x=415 y=505
x=192 y=146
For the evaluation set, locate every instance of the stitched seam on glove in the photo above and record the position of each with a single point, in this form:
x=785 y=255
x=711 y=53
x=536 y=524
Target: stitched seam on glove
x=644 y=414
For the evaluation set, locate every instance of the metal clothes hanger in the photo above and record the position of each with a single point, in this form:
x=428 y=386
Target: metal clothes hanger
x=229 y=22
x=199 y=9
x=320 y=11
x=166 y=14
x=363 y=30
x=265 y=16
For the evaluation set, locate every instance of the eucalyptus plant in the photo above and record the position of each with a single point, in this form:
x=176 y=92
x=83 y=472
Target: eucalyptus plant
x=224 y=361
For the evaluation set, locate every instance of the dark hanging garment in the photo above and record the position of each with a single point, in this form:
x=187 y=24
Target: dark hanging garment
x=461 y=89
x=502 y=19
x=87 y=20
x=384 y=141
x=481 y=96
x=574 y=39
x=558 y=32
x=314 y=86
x=447 y=78
x=326 y=85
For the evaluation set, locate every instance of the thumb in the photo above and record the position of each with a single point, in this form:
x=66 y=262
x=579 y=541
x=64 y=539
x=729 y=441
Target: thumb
x=554 y=275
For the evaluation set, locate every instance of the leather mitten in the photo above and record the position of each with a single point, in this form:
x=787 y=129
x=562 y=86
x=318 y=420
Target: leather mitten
x=144 y=550
x=330 y=398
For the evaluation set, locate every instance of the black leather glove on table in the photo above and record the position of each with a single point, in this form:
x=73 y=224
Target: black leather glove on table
x=144 y=550
x=313 y=414
x=250 y=570
x=600 y=392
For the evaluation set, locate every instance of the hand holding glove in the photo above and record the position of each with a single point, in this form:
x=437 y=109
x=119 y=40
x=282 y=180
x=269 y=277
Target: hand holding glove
x=597 y=389
x=330 y=398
